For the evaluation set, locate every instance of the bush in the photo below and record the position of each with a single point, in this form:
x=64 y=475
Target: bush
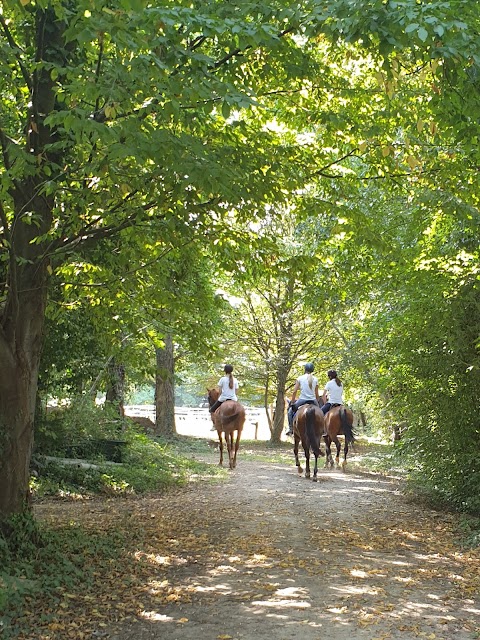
x=148 y=465
x=38 y=563
x=57 y=432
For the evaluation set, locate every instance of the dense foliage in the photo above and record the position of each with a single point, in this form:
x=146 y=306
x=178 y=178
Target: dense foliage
x=156 y=153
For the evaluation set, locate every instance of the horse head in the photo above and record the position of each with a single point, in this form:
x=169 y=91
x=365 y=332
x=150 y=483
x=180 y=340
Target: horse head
x=212 y=396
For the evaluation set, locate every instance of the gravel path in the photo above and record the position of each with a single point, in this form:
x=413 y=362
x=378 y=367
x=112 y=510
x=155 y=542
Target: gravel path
x=269 y=554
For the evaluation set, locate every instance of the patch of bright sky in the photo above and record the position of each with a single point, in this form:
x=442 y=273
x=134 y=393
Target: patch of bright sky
x=233 y=301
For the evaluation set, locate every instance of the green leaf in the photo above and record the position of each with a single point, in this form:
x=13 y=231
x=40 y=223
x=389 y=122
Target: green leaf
x=422 y=34
x=411 y=27
x=226 y=109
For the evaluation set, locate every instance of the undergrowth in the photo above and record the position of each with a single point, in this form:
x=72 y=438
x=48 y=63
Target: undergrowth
x=148 y=465
x=46 y=562
x=40 y=563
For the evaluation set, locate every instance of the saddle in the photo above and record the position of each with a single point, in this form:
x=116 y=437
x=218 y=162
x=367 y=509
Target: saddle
x=295 y=409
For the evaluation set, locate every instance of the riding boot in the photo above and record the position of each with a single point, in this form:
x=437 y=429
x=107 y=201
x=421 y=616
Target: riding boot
x=290 y=415
x=213 y=408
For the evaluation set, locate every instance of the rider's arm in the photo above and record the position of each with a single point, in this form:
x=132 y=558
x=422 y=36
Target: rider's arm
x=294 y=392
x=317 y=395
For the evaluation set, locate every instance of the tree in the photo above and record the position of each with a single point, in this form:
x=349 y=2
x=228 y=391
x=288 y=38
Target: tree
x=272 y=326
x=178 y=122
x=115 y=119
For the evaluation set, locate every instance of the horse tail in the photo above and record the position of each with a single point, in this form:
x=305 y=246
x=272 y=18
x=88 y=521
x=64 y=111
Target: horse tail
x=347 y=426
x=313 y=439
x=239 y=414
x=229 y=419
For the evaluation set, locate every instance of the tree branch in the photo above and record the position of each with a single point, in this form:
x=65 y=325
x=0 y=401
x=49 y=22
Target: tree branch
x=14 y=46
x=12 y=297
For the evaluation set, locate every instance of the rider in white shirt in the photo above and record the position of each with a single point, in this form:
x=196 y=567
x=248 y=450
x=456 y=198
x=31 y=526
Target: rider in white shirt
x=333 y=392
x=228 y=388
x=307 y=384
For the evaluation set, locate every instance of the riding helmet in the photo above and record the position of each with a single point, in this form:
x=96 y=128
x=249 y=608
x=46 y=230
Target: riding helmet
x=309 y=367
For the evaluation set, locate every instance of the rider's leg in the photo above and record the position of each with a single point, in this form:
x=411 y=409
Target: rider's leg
x=290 y=420
x=213 y=408
x=326 y=407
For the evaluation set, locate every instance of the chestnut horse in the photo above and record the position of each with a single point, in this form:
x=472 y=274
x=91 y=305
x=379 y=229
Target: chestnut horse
x=308 y=427
x=338 y=422
x=229 y=417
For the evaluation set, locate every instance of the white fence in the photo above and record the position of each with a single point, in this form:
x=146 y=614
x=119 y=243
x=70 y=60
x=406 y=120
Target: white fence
x=193 y=421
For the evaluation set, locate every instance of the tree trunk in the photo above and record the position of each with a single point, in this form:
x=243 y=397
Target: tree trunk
x=165 y=390
x=18 y=384
x=115 y=395
x=21 y=335
x=26 y=215
x=279 y=412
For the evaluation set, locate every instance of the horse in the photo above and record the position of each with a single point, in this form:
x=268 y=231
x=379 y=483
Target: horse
x=228 y=418
x=338 y=421
x=308 y=428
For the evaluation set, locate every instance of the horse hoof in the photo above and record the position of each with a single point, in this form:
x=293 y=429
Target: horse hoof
x=300 y=470
x=307 y=475
x=314 y=479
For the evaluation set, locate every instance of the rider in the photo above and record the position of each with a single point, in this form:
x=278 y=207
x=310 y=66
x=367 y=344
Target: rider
x=228 y=388
x=333 y=392
x=308 y=386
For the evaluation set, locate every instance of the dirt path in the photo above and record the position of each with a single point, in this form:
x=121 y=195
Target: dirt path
x=268 y=554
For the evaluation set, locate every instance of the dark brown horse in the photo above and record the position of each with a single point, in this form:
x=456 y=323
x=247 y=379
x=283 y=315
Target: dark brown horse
x=228 y=418
x=308 y=428
x=338 y=422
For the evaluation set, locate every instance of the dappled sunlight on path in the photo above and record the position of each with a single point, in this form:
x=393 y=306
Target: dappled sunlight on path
x=268 y=554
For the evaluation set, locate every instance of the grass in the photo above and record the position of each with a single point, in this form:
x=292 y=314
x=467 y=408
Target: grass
x=376 y=457
x=149 y=466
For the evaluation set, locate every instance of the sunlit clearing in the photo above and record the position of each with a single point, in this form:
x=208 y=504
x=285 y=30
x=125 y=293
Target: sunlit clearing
x=158 y=617
x=153 y=558
x=156 y=585
x=338 y=609
x=471 y=610
x=371 y=591
x=454 y=576
x=224 y=568
x=291 y=592
x=296 y=604
x=405 y=534
x=400 y=579
x=200 y=589
x=357 y=573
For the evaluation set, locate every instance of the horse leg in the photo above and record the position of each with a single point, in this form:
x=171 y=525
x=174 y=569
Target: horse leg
x=307 y=461
x=233 y=450
x=315 y=468
x=220 y=439
x=295 y=451
x=237 y=444
x=345 y=451
x=229 y=438
x=339 y=447
x=328 y=452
